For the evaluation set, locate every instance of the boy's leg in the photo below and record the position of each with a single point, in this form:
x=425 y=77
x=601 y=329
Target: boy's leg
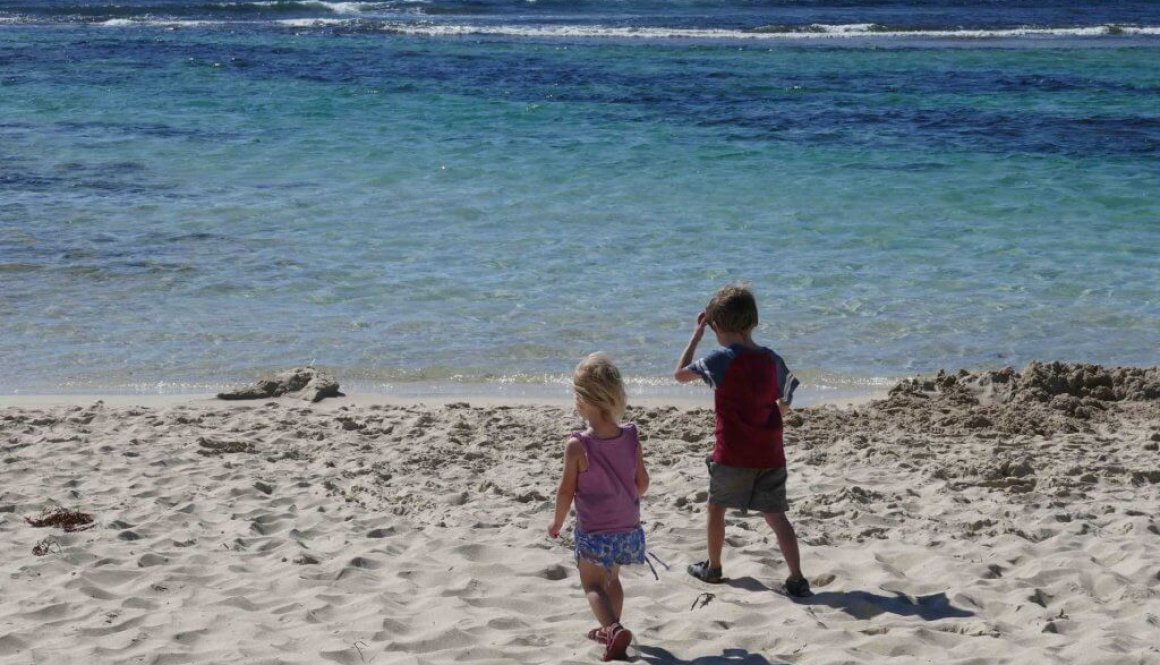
x=728 y=487
x=786 y=540
x=593 y=579
x=715 y=532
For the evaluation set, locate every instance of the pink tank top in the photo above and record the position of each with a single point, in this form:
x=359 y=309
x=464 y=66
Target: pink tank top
x=606 y=496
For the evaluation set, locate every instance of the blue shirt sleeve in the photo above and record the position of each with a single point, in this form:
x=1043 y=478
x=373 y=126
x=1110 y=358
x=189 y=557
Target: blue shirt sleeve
x=788 y=381
x=712 y=367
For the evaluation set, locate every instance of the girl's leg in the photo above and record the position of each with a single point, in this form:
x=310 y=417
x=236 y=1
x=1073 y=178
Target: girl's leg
x=615 y=592
x=606 y=597
x=594 y=578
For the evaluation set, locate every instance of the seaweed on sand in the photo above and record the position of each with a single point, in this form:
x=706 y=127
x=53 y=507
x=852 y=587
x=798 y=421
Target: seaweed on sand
x=69 y=520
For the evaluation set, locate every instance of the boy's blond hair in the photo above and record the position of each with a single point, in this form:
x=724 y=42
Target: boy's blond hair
x=732 y=309
x=597 y=382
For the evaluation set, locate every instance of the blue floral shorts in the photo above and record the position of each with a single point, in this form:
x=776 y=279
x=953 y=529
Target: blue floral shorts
x=611 y=549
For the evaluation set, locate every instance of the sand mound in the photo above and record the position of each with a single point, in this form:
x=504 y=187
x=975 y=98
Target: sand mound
x=1042 y=399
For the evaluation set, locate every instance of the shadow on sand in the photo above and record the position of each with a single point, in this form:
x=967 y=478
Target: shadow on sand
x=858 y=604
x=746 y=583
x=659 y=656
x=866 y=605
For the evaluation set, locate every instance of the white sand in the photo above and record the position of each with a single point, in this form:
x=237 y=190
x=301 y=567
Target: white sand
x=283 y=532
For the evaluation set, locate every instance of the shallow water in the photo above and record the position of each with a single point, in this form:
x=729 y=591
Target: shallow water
x=191 y=194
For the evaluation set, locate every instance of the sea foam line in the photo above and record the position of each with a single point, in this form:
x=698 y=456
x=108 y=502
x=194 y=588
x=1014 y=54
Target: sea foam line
x=336 y=7
x=156 y=23
x=860 y=31
x=863 y=31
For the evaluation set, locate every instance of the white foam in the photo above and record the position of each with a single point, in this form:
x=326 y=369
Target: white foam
x=851 y=28
x=860 y=31
x=155 y=23
x=336 y=7
x=312 y=22
x=342 y=7
x=173 y=23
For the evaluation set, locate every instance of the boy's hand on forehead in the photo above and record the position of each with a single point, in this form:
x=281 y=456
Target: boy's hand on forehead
x=702 y=321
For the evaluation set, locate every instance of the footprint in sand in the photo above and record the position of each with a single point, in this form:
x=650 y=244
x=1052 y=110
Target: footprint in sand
x=554 y=573
x=151 y=559
x=825 y=579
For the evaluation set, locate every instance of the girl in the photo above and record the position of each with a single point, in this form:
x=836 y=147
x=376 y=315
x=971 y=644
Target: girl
x=604 y=472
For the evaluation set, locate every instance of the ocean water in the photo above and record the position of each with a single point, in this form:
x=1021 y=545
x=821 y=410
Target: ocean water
x=470 y=195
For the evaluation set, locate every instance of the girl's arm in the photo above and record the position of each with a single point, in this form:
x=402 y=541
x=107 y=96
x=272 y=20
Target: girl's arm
x=567 y=490
x=641 y=472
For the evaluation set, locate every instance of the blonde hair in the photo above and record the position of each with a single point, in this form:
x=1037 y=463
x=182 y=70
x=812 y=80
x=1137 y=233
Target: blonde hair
x=597 y=382
x=732 y=309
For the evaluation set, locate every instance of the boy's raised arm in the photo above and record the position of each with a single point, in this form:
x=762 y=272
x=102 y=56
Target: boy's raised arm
x=682 y=374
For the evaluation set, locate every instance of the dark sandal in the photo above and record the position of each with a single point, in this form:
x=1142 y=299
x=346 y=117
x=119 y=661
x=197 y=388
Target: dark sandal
x=703 y=572
x=616 y=648
x=798 y=587
x=598 y=635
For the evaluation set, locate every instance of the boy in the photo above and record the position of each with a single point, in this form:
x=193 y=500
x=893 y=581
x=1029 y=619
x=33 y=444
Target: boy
x=752 y=391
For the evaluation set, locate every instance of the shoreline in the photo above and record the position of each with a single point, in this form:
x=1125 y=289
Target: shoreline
x=557 y=396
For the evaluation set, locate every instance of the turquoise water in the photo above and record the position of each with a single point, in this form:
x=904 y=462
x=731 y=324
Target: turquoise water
x=185 y=206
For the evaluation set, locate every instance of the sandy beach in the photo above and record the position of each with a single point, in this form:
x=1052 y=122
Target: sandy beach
x=998 y=517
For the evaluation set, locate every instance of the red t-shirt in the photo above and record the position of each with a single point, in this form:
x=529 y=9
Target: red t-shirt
x=747 y=384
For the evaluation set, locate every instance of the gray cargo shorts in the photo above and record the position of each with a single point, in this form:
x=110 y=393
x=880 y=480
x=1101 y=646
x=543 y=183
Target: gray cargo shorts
x=762 y=490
